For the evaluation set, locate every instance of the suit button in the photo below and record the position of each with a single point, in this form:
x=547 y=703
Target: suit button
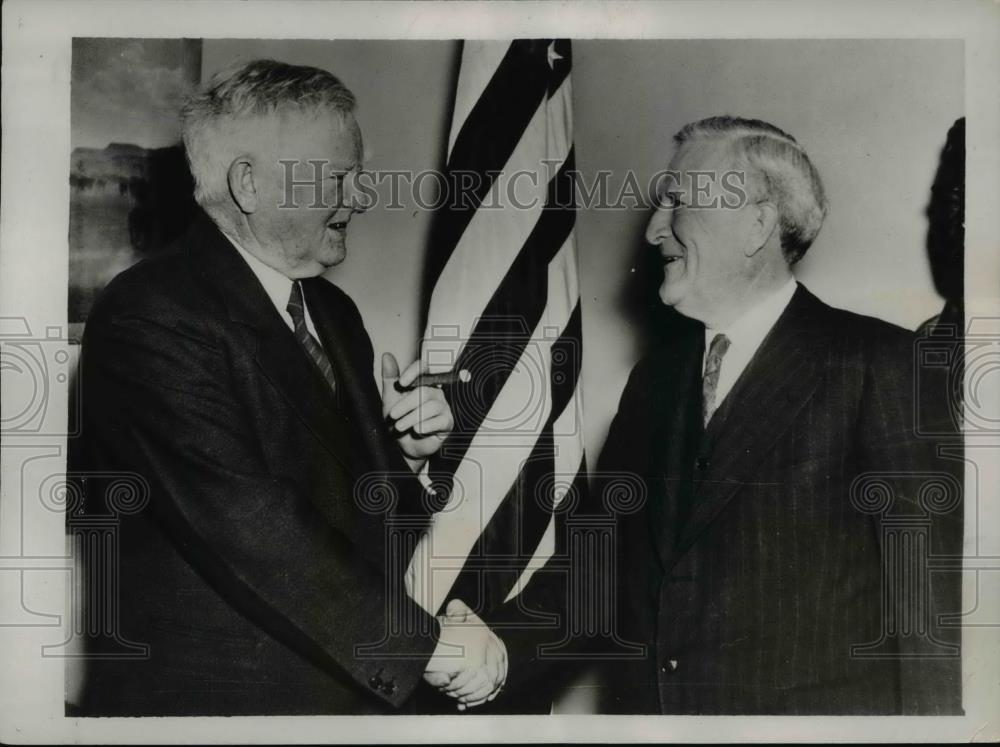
x=669 y=666
x=375 y=682
x=701 y=463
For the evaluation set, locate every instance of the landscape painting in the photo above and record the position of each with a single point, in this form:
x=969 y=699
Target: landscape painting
x=130 y=189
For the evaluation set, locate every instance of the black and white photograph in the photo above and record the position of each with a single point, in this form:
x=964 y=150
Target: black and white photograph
x=499 y=372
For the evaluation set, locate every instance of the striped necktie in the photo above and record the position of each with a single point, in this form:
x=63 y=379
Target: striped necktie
x=713 y=365
x=296 y=308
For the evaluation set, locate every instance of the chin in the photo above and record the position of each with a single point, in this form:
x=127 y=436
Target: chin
x=670 y=295
x=334 y=260
x=329 y=258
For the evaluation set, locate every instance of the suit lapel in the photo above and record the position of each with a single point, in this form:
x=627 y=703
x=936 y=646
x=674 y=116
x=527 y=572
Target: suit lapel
x=278 y=354
x=774 y=387
x=346 y=342
x=348 y=348
x=678 y=396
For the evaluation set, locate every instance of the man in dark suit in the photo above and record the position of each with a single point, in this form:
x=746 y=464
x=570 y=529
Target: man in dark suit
x=236 y=385
x=779 y=562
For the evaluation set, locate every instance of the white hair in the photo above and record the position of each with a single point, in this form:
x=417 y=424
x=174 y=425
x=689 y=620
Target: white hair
x=779 y=170
x=218 y=121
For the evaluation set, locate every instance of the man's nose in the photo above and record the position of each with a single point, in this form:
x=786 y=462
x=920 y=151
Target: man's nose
x=355 y=197
x=659 y=227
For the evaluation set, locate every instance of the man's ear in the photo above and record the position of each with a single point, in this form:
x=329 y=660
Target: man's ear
x=763 y=226
x=241 y=184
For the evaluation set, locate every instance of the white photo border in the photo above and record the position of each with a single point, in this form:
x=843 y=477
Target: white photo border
x=33 y=281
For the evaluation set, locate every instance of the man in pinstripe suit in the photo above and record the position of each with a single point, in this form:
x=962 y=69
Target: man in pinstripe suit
x=773 y=432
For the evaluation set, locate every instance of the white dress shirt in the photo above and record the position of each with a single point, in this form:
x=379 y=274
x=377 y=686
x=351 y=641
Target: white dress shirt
x=745 y=337
x=279 y=290
x=277 y=287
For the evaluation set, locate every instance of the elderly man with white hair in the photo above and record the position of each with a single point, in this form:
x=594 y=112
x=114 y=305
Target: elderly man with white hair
x=776 y=437
x=236 y=383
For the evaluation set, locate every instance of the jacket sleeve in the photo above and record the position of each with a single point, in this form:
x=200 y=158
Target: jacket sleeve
x=161 y=404
x=920 y=526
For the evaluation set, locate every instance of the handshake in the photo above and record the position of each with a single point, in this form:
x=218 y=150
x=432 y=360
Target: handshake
x=470 y=662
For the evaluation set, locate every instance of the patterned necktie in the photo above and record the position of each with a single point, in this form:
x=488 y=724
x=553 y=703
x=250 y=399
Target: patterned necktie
x=713 y=364
x=296 y=308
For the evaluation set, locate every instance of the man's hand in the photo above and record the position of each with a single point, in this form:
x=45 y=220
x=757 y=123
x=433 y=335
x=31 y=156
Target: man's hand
x=420 y=418
x=470 y=662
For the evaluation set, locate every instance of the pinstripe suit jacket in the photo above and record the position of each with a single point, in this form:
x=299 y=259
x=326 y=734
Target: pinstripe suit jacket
x=751 y=571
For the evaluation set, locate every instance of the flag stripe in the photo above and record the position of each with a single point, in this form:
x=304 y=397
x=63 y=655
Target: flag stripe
x=488 y=137
x=517 y=448
x=492 y=351
x=508 y=540
x=480 y=59
x=492 y=462
x=524 y=514
x=495 y=235
x=549 y=545
x=492 y=459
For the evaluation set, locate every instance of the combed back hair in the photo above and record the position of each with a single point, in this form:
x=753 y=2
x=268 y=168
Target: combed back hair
x=250 y=93
x=778 y=169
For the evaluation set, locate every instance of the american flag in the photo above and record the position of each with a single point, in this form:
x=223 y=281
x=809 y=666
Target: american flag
x=505 y=306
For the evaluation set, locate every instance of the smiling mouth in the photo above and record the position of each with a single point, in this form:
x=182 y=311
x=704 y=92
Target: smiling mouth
x=672 y=258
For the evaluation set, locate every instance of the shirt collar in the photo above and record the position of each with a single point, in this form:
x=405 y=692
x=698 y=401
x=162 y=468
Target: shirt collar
x=277 y=286
x=750 y=329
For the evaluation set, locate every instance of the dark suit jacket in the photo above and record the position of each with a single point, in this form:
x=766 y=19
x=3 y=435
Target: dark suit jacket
x=253 y=573
x=757 y=561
